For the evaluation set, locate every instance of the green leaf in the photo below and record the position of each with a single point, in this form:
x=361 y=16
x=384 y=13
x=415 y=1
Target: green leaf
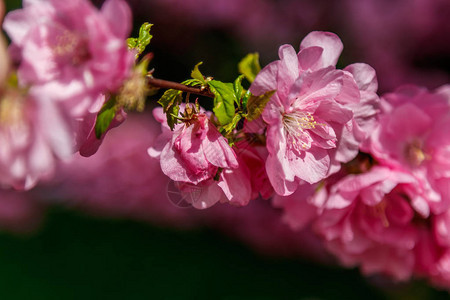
x=170 y=101
x=172 y=116
x=232 y=125
x=143 y=40
x=105 y=117
x=238 y=89
x=196 y=74
x=142 y=66
x=245 y=98
x=223 y=101
x=249 y=66
x=192 y=82
x=256 y=105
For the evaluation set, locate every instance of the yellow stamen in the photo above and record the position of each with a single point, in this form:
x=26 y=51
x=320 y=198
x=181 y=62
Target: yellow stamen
x=296 y=123
x=414 y=153
x=379 y=210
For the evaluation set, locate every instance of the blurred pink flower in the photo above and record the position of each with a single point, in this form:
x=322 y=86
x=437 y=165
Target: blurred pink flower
x=299 y=209
x=432 y=258
x=413 y=136
x=311 y=117
x=71 y=51
x=367 y=222
x=32 y=133
x=305 y=205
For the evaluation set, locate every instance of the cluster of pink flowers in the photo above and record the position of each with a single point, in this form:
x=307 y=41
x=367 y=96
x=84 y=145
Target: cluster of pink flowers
x=388 y=210
x=316 y=120
x=370 y=176
x=66 y=56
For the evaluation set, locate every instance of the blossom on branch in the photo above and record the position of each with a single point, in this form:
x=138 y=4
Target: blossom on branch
x=194 y=151
x=313 y=119
x=413 y=136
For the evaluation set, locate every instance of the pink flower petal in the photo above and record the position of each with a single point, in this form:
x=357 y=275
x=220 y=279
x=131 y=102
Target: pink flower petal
x=331 y=44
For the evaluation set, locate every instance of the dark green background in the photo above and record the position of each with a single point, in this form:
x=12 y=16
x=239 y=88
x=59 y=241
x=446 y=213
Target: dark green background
x=78 y=257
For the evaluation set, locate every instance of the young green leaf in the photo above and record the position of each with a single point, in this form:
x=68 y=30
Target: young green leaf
x=172 y=116
x=170 y=101
x=232 y=125
x=192 y=82
x=238 y=89
x=143 y=40
x=223 y=101
x=256 y=105
x=245 y=98
x=249 y=66
x=105 y=117
x=196 y=74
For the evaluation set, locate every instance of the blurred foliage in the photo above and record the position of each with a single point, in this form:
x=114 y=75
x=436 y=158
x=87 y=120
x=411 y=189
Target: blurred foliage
x=12 y=4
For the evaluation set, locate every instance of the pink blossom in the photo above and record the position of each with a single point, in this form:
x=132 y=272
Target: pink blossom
x=367 y=222
x=206 y=170
x=69 y=50
x=311 y=119
x=253 y=157
x=298 y=209
x=305 y=205
x=32 y=134
x=87 y=142
x=432 y=258
x=233 y=186
x=433 y=251
x=413 y=136
x=194 y=151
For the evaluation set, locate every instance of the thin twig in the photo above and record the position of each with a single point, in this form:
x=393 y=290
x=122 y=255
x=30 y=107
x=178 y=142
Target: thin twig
x=165 y=84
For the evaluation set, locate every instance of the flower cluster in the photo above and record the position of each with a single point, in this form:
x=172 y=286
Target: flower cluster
x=314 y=118
x=387 y=211
x=68 y=59
x=369 y=175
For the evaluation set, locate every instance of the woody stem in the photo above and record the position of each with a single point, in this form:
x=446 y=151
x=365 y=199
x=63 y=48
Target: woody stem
x=165 y=84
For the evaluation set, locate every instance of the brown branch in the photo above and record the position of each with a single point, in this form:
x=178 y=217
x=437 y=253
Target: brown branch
x=165 y=84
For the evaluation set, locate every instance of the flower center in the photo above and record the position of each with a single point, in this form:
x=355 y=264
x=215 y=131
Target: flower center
x=11 y=109
x=70 y=47
x=379 y=211
x=414 y=154
x=296 y=124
